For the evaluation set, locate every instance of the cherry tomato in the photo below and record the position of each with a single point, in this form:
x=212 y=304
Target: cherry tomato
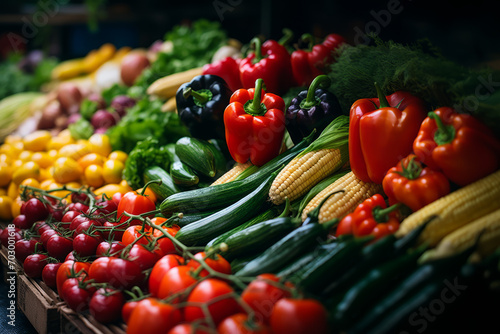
x=127 y=309
x=65 y=270
x=165 y=245
x=106 y=305
x=77 y=220
x=10 y=233
x=153 y=316
x=261 y=295
x=134 y=203
x=187 y=329
x=78 y=207
x=34 y=209
x=240 y=324
x=112 y=231
x=41 y=226
x=46 y=235
x=205 y=292
x=21 y=222
x=145 y=258
x=56 y=212
x=25 y=247
x=49 y=274
x=217 y=263
x=299 y=316
x=33 y=265
x=105 y=206
x=124 y=273
x=132 y=233
x=176 y=280
x=80 y=197
x=109 y=248
x=159 y=270
x=86 y=227
x=86 y=244
x=76 y=294
x=59 y=247
x=98 y=270
x=116 y=198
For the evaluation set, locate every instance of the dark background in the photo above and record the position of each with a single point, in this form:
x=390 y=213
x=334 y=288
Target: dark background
x=465 y=31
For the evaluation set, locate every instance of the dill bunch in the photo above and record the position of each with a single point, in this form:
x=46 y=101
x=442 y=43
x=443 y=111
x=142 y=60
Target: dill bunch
x=420 y=70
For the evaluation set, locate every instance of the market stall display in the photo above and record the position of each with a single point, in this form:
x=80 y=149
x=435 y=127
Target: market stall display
x=193 y=188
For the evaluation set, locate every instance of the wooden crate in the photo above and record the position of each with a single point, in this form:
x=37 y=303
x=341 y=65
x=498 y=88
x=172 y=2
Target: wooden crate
x=41 y=309
x=83 y=323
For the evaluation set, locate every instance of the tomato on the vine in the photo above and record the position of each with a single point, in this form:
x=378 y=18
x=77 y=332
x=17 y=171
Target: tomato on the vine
x=49 y=274
x=34 y=264
x=68 y=268
x=239 y=323
x=109 y=248
x=176 y=280
x=165 y=245
x=186 y=328
x=124 y=273
x=299 y=316
x=26 y=247
x=205 y=292
x=216 y=262
x=134 y=203
x=137 y=232
x=85 y=244
x=59 y=246
x=128 y=308
x=153 y=316
x=98 y=270
x=262 y=293
x=106 y=304
x=34 y=209
x=141 y=255
x=161 y=267
x=76 y=293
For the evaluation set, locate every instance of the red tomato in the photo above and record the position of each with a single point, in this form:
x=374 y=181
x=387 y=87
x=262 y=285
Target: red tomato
x=109 y=248
x=33 y=265
x=165 y=245
x=240 y=324
x=135 y=204
x=217 y=263
x=22 y=222
x=116 y=198
x=86 y=244
x=187 y=329
x=34 y=210
x=261 y=295
x=112 y=230
x=175 y=281
x=68 y=217
x=205 y=292
x=64 y=272
x=299 y=316
x=77 y=220
x=127 y=309
x=125 y=273
x=344 y=226
x=41 y=226
x=59 y=247
x=76 y=294
x=49 y=274
x=45 y=236
x=132 y=233
x=78 y=207
x=98 y=270
x=145 y=258
x=10 y=233
x=106 y=305
x=153 y=316
x=25 y=247
x=159 y=270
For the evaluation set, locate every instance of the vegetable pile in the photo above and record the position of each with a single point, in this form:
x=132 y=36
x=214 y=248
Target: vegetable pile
x=331 y=189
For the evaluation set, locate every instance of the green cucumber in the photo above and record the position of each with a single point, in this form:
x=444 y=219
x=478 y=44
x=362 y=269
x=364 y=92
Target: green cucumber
x=196 y=154
x=181 y=173
x=300 y=240
x=220 y=161
x=202 y=231
x=223 y=195
x=258 y=237
x=162 y=190
x=182 y=219
x=265 y=215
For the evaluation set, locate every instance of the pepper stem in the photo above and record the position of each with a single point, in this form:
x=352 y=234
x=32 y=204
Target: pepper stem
x=311 y=100
x=201 y=96
x=381 y=97
x=255 y=107
x=308 y=38
x=444 y=133
x=257 y=46
x=287 y=37
x=412 y=170
x=381 y=215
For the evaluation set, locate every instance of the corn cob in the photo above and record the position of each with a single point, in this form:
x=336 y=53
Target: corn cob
x=169 y=105
x=487 y=228
x=343 y=203
x=167 y=86
x=304 y=172
x=455 y=209
x=232 y=174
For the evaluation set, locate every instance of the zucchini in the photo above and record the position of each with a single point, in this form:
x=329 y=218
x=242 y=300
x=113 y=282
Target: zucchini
x=255 y=238
x=286 y=249
x=162 y=190
x=220 y=161
x=180 y=172
x=265 y=215
x=182 y=219
x=204 y=230
x=223 y=195
x=197 y=155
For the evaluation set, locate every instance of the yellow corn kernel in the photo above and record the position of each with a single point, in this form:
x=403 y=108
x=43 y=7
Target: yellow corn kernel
x=487 y=228
x=455 y=209
x=303 y=173
x=232 y=174
x=342 y=203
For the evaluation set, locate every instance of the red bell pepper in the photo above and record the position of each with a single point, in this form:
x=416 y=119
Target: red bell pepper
x=371 y=217
x=308 y=64
x=270 y=62
x=254 y=124
x=459 y=145
x=228 y=69
x=414 y=185
x=381 y=132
